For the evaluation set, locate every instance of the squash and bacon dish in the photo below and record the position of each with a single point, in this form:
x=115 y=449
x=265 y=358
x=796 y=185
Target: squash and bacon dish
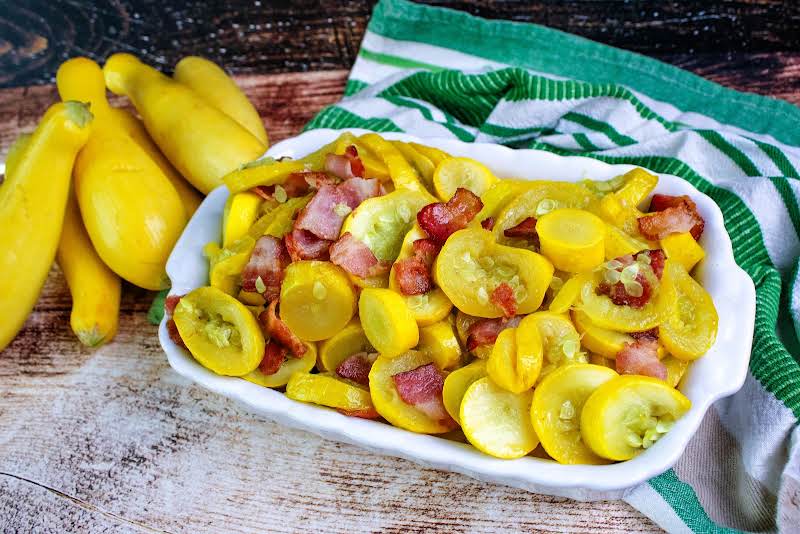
x=391 y=281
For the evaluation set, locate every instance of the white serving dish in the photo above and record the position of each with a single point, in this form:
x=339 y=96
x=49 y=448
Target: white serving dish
x=718 y=374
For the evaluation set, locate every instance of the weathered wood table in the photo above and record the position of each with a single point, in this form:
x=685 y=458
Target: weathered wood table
x=113 y=440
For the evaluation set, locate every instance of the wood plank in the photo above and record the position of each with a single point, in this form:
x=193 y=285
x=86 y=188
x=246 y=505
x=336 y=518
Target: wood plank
x=270 y=37
x=26 y=506
x=118 y=431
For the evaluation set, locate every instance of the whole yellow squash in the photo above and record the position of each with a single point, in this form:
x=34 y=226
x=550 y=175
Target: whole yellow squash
x=132 y=212
x=95 y=289
x=208 y=80
x=201 y=141
x=32 y=201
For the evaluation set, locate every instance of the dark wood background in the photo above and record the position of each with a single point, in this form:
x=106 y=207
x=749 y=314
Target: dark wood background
x=113 y=440
x=748 y=44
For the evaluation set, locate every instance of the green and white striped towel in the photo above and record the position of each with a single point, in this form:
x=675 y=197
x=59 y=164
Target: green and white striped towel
x=438 y=72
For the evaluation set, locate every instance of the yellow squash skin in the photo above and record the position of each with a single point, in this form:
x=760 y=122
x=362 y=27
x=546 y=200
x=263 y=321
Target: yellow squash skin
x=190 y=197
x=132 y=213
x=95 y=289
x=209 y=81
x=202 y=142
x=32 y=203
x=82 y=79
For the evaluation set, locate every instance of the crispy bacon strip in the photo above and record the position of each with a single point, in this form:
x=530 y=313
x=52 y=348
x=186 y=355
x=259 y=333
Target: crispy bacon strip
x=170 y=302
x=324 y=214
x=641 y=358
x=617 y=292
x=268 y=262
x=174 y=335
x=356 y=190
x=485 y=331
x=647 y=334
x=347 y=165
x=526 y=229
x=264 y=191
x=422 y=388
x=620 y=297
x=487 y=223
x=316 y=179
x=356 y=165
x=303 y=245
x=503 y=297
x=357 y=367
x=356 y=258
x=657 y=260
x=671 y=215
x=295 y=185
x=274 y=356
x=660 y=202
x=279 y=332
x=441 y=219
x=413 y=274
x=320 y=216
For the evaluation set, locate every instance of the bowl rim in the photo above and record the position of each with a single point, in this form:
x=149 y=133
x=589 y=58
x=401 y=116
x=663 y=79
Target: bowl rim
x=735 y=339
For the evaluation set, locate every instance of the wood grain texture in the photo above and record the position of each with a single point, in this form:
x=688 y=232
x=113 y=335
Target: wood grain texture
x=115 y=435
x=751 y=45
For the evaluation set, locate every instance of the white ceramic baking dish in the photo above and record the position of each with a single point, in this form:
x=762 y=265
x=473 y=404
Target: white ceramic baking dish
x=719 y=373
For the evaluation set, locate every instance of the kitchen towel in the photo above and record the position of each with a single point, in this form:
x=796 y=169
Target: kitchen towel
x=437 y=72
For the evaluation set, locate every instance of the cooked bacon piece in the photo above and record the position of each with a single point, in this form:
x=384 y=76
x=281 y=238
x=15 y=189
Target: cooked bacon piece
x=357 y=367
x=356 y=165
x=368 y=413
x=303 y=245
x=338 y=165
x=503 y=298
x=345 y=166
x=422 y=389
x=264 y=191
x=441 y=219
x=413 y=274
x=279 y=332
x=657 y=259
x=319 y=216
x=672 y=215
x=641 y=358
x=485 y=331
x=268 y=262
x=617 y=292
x=324 y=214
x=170 y=302
x=620 y=296
x=426 y=250
x=315 y=179
x=661 y=202
x=356 y=190
x=356 y=258
x=295 y=185
x=274 y=356
x=174 y=335
x=420 y=384
x=526 y=229
x=647 y=334
x=487 y=223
